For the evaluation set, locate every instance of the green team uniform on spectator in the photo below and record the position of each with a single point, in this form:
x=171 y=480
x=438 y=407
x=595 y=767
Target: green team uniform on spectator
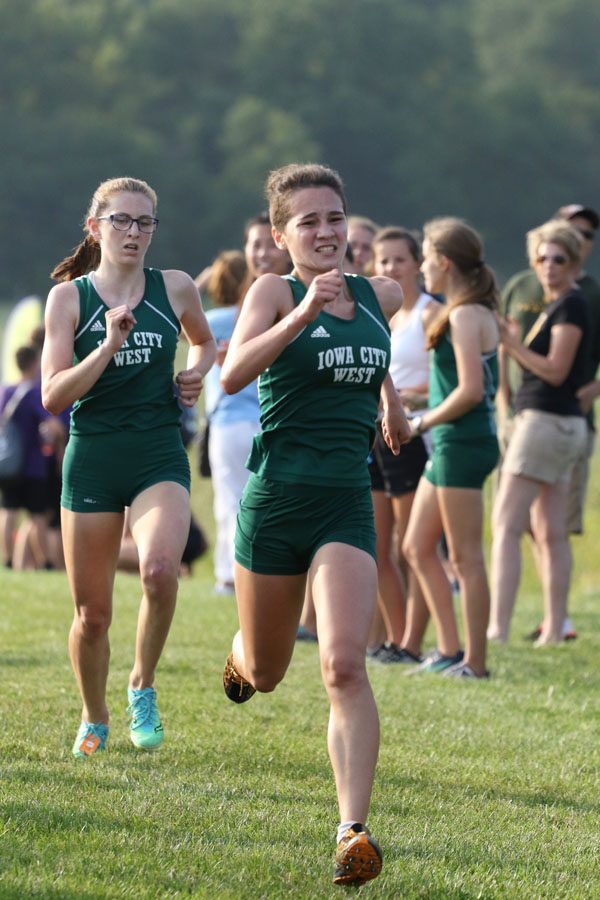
x=465 y=450
x=125 y=433
x=319 y=401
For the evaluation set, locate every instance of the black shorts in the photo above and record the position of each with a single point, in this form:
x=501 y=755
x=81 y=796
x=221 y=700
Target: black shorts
x=397 y=475
x=26 y=493
x=53 y=489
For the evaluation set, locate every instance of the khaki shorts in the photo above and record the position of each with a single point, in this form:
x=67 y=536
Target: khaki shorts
x=545 y=446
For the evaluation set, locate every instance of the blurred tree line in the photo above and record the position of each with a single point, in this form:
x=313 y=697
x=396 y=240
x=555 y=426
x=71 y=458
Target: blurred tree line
x=488 y=109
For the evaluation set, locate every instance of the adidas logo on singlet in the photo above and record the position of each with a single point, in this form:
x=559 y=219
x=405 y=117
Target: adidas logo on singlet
x=320 y=332
x=97 y=326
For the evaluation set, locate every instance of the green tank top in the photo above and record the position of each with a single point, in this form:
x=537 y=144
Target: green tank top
x=320 y=397
x=136 y=391
x=480 y=421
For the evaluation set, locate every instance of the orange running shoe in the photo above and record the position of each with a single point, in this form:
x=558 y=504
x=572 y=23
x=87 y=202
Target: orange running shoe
x=358 y=857
x=237 y=688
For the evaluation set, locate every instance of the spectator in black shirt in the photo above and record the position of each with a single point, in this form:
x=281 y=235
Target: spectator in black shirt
x=549 y=434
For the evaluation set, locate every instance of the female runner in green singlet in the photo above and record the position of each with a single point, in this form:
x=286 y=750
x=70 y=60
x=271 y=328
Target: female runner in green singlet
x=111 y=334
x=449 y=499
x=319 y=343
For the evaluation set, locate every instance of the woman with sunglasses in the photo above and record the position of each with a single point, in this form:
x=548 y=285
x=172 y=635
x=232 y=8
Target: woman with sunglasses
x=112 y=328
x=549 y=434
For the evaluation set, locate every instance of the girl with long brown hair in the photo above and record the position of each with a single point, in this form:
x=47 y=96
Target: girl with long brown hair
x=464 y=374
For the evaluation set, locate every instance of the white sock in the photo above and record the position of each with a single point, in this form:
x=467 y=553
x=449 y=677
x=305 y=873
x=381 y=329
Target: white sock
x=343 y=828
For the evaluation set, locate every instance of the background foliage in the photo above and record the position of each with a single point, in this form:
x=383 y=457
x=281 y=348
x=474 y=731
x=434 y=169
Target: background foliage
x=488 y=109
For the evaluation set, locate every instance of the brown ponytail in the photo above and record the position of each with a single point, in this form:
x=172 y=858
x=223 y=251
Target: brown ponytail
x=476 y=283
x=85 y=258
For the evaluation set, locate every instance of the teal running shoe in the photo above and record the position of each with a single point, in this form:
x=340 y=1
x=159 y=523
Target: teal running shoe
x=438 y=662
x=91 y=738
x=146 y=731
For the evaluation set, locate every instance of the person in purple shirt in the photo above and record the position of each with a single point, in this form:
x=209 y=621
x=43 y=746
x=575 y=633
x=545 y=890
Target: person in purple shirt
x=28 y=491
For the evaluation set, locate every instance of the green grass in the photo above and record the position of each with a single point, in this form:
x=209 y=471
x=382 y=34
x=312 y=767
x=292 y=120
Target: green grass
x=482 y=790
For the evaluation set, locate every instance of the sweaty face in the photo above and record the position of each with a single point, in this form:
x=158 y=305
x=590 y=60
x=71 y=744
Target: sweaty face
x=316 y=231
x=262 y=254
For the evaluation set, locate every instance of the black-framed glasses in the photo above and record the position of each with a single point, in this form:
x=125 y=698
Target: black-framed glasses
x=123 y=222
x=588 y=233
x=558 y=258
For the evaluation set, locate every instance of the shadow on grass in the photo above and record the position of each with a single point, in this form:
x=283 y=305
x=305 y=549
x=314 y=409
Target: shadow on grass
x=18 y=890
x=47 y=817
x=548 y=798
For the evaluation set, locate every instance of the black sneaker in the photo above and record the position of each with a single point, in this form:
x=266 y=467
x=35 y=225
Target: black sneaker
x=392 y=653
x=237 y=688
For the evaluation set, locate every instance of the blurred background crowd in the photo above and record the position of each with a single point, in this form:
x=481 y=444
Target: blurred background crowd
x=219 y=434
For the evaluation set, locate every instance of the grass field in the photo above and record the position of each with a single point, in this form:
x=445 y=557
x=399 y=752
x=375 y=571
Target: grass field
x=483 y=790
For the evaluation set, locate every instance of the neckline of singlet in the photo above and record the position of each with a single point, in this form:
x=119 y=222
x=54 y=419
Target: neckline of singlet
x=92 y=279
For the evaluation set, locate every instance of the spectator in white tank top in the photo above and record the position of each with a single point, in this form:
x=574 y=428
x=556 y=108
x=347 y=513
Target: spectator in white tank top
x=397 y=255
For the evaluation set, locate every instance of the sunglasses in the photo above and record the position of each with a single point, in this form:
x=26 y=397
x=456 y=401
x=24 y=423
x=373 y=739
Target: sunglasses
x=558 y=259
x=588 y=233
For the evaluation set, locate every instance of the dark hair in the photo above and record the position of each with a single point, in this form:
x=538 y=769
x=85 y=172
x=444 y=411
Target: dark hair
x=283 y=182
x=262 y=218
x=463 y=246
x=37 y=337
x=396 y=233
x=227 y=278
x=25 y=357
x=86 y=256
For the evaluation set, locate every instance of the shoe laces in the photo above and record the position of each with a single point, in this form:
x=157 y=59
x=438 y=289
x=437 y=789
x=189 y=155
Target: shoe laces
x=89 y=730
x=142 y=707
x=234 y=675
x=98 y=729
